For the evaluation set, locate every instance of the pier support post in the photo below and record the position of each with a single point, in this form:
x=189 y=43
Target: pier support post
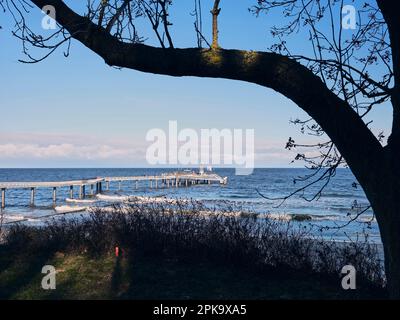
x=82 y=192
x=71 y=192
x=156 y=184
x=108 y=185
x=137 y=184
x=91 y=190
x=54 y=195
x=119 y=185
x=151 y=184
x=3 y=198
x=32 y=203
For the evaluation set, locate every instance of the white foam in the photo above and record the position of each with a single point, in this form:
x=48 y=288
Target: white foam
x=123 y=209
x=367 y=219
x=14 y=217
x=68 y=209
x=138 y=199
x=104 y=197
x=69 y=200
x=142 y=199
x=278 y=216
x=307 y=217
x=313 y=217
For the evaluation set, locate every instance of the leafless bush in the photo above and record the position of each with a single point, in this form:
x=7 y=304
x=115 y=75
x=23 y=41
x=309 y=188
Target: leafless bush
x=191 y=232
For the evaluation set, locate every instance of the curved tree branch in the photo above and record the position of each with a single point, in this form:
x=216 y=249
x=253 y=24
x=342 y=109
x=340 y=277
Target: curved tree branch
x=350 y=134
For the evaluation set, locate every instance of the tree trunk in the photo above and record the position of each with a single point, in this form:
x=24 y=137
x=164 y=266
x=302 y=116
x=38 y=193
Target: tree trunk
x=384 y=196
x=390 y=206
x=390 y=234
x=391 y=242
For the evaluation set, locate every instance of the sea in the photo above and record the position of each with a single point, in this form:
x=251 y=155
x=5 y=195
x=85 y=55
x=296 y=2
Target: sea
x=329 y=215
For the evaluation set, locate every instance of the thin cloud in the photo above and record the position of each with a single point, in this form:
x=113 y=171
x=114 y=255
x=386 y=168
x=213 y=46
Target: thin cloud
x=83 y=150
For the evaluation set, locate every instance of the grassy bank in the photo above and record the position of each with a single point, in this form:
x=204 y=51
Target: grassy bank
x=181 y=253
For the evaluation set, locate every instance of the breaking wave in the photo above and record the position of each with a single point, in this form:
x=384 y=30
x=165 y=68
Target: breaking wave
x=69 y=209
x=69 y=200
x=314 y=217
x=112 y=198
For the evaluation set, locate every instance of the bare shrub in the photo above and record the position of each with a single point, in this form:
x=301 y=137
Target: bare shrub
x=191 y=232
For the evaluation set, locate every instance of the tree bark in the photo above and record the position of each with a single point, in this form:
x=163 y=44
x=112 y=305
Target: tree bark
x=390 y=234
x=387 y=203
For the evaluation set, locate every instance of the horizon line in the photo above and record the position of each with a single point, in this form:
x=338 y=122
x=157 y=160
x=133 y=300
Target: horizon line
x=233 y=168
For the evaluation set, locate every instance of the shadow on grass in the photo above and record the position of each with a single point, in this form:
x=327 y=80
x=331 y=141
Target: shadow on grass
x=18 y=271
x=158 y=277
x=116 y=278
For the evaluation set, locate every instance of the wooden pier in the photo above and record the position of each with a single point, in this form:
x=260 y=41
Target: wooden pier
x=96 y=185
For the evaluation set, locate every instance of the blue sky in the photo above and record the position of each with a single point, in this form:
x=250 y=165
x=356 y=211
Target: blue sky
x=78 y=112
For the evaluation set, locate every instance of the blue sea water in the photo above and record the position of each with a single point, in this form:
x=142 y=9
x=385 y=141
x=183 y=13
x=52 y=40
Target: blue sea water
x=332 y=209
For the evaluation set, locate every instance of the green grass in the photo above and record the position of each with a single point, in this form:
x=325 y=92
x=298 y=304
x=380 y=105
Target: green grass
x=82 y=277
x=78 y=277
